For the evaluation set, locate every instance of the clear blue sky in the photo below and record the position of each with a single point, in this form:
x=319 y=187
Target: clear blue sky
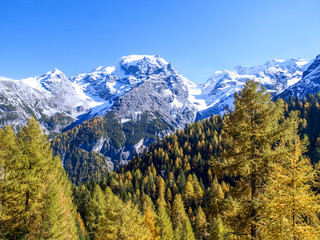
x=197 y=37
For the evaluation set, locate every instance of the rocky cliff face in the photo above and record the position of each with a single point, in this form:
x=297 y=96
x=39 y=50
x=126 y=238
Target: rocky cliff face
x=145 y=95
x=310 y=82
x=51 y=98
x=137 y=84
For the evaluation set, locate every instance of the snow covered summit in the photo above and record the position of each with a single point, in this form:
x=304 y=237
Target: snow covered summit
x=140 y=83
x=217 y=92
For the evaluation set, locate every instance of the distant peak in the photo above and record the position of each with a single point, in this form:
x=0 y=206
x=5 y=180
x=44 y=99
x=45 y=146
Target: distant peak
x=132 y=59
x=55 y=75
x=235 y=68
x=279 y=60
x=54 y=71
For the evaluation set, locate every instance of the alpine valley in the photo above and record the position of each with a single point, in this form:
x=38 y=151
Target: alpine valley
x=112 y=113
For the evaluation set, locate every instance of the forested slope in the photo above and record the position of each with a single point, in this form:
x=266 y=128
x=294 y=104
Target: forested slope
x=216 y=179
x=246 y=175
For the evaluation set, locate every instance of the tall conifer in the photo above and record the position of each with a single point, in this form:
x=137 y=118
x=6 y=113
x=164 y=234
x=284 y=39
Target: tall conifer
x=291 y=207
x=252 y=132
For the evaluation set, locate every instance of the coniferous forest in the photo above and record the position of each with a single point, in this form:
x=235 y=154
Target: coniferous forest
x=250 y=174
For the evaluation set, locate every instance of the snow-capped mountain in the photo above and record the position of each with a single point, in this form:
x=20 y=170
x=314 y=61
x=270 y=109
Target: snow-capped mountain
x=142 y=97
x=217 y=92
x=138 y=83
x=138 y=91
x=310 y=82
x=52 y=94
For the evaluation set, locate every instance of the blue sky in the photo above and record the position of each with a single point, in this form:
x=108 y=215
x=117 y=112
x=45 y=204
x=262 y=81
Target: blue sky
x=197 y=37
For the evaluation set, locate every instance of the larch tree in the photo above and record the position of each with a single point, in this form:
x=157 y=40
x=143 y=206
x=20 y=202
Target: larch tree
x=252 y=132
x=35 y=193
x=34 y=170
x=292 y=208
x=96 y=210
x=11 y=191
x=163 y=218
x=61 y=214
x=121 y=221
x=181 y=223
x=201 y=225
x=149 y=220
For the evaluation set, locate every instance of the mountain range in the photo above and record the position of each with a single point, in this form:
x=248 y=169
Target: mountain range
x=145 y=89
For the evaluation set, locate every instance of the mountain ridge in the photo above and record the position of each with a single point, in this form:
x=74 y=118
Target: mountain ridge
x=140 y=93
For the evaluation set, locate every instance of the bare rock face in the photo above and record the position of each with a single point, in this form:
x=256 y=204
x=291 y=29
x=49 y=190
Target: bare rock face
x=52 y=98
x=310 y=82
x=137 y=84
x=144 y=97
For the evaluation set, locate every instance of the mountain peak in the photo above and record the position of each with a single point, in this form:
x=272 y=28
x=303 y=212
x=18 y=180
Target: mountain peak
x=133 y=59
x=53 y=76
x=54 y=71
